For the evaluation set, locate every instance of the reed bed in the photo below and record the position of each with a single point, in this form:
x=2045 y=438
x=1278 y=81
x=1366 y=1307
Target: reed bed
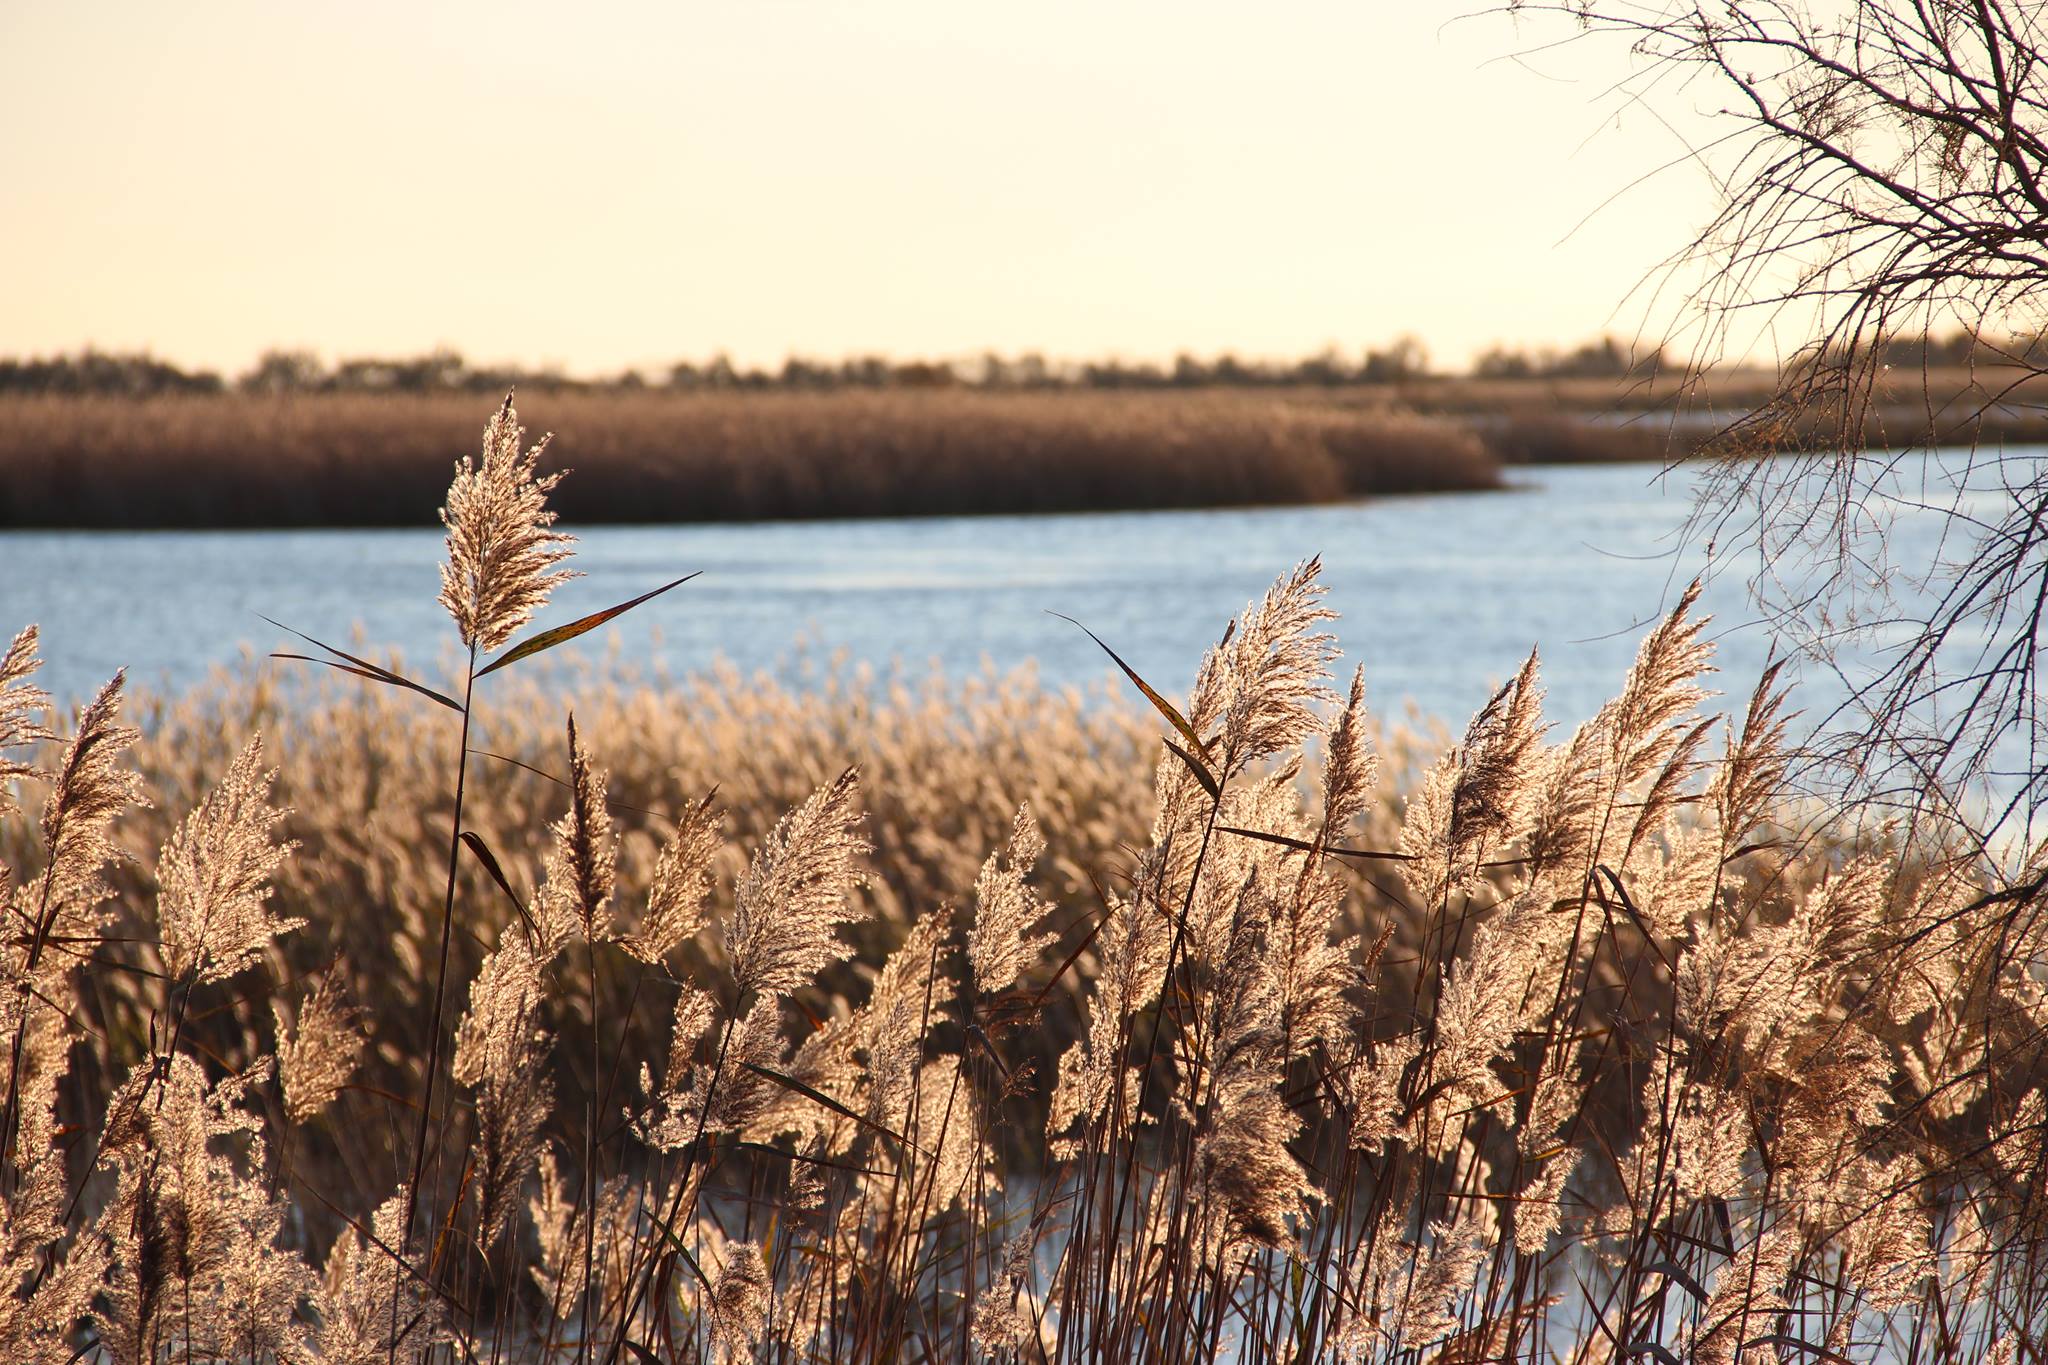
x=1025 y=1030
x=376 y=459
x=381 y=460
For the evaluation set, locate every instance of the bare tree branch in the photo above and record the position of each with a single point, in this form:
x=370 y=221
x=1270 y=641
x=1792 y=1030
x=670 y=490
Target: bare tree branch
x=1887 y=179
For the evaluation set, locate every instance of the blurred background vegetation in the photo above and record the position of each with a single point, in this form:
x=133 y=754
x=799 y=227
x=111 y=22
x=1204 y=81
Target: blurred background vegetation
x=109 y=440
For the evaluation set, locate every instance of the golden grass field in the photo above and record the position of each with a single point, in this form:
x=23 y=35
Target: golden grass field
x=529 y=1018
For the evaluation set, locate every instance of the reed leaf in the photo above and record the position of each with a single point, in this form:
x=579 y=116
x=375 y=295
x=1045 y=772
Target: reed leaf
x=548 y=639
x=364 y=667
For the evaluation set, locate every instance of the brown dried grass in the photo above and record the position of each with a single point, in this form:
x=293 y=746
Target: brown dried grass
x=1546 y=1047
x=355 y=460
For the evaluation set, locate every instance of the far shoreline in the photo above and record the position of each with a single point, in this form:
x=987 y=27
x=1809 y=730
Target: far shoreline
x=234 y=461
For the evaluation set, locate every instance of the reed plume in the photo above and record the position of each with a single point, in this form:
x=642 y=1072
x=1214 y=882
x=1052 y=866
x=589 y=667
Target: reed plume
x=1351 y=767
x=499 y=1048
x=677 y=888
x=502 y=550
x=87 y=792
x=53 y=1285
x=562 y=1218
x=582 y=866
x=213 y=877
x=61 y=915
x=1001 y=946
x=795 y=892
x=1260 y=686
x=317 y=1051
x=1476 y=793
x=196 y=1269
x=739 y=1301
x=21 y=709
x=368 y=1309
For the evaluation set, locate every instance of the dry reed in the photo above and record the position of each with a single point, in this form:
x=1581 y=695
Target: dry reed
x=358 y=460
x=1614 y=1067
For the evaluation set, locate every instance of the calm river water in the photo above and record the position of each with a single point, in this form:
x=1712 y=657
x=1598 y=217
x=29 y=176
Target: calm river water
x=1441 y=596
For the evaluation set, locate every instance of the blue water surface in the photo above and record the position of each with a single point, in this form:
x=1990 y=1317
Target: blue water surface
x=1441 y=596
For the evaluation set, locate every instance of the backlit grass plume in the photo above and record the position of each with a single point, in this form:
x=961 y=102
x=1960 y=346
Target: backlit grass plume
x=794 y=894
x=575 y=898
x=1260 y=686
x=1001 y=946
x=213 y=877
x=58 y=917
x=502 y=550
x=1631 y=1058
x=317 y=1051
x=499 y=1051
x=21 y=708
x=87 y=791
x=677 y=887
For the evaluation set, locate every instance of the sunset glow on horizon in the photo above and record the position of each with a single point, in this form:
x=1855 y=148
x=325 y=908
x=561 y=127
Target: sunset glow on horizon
x=632 y=185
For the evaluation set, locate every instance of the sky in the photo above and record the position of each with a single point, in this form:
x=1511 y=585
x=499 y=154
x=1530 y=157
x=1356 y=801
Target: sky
x=610 y=185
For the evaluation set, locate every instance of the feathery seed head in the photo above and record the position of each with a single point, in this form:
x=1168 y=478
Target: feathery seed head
x=1350 y=767
x=499 y=1047
x=564 y=1223
x=502 y=551
x=1134 y=948
x=588 y=839
x=1645 y=722
x=1493 y=780
x=1001 y=946
x=192 y=1226
x=1440 y=1279
x=890 y=1028
x=1750 y=777
x=213 y=876
x=21 y=709
x=676 y=890
x=1372 y=1091
x=1254 y=1184
x=1747 y=1294
x=739 y=1301
x=582 y=860
x=317 y=1055
x=86 y=793
x=370 y=1312
x=1001 y=1322
x=694 y=1012
x=795 y=893
x=743 y=1096
x=949 y=1127
x=1476 y=793
x=1261 y=683
x=65 y=904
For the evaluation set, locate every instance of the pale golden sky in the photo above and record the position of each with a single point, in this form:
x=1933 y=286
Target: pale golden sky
x=605 y=185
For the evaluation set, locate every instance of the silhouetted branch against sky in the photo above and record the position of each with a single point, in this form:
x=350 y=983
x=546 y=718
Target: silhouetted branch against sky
x=1882 y=168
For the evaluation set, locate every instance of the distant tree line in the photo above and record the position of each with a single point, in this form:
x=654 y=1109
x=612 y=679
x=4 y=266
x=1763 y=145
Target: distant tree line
x=1949 y=350
x=135 y=376
x=438 y=371
x=441 y=371
x=1403 y=361
x=298 y=371
x=1602 y=359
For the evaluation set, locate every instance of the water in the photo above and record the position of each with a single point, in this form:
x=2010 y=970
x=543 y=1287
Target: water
x=1441 y=596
